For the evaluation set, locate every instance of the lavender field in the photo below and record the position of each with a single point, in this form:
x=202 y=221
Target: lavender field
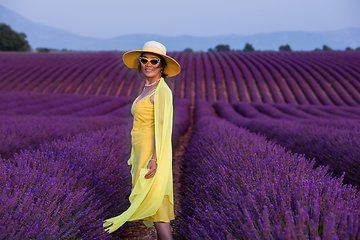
x=272 y=148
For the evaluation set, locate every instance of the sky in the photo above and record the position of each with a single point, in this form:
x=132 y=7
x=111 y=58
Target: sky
x=110 y=18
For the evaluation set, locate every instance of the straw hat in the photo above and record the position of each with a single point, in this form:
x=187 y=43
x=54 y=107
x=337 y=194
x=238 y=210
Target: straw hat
x=131 y=58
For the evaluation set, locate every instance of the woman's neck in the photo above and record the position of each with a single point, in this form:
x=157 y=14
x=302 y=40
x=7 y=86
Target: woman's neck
x=152 y=80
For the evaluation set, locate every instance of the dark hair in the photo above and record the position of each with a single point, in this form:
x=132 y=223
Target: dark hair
x=162 y=65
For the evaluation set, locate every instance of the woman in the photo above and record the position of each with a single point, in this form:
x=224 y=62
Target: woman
x=151 y=197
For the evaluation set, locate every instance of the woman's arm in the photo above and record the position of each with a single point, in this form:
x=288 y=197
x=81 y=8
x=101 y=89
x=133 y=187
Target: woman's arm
x=152 y=164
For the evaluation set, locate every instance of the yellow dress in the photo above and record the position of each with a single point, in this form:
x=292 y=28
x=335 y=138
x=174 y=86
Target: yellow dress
x=151 y=199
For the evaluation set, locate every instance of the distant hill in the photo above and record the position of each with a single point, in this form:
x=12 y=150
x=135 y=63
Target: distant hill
x=40 y=35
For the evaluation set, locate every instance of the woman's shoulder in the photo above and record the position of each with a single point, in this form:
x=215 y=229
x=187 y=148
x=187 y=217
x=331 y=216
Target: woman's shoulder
x=164 y=89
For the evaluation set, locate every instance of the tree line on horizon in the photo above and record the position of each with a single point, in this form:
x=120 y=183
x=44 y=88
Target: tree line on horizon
x=249 y=48
x=11 y=40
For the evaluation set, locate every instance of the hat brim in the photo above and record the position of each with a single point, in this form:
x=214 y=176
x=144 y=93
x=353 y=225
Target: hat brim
x=131 y=60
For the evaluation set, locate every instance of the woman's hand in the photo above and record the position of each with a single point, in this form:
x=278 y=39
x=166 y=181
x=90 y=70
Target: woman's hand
x=152 y=169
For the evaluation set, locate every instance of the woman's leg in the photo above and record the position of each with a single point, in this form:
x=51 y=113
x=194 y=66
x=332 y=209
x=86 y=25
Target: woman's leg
x=163 y=230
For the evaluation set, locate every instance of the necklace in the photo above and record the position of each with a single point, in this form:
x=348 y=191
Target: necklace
x=148 y=85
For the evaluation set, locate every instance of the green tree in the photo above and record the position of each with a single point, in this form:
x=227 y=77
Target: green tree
x=248 y=48
x=358 y=49
x=348 y=49
x=11 y=40
x=188 y=50
x=285 y=48
x=222 y=48
x=326 y=48
x=43 y=49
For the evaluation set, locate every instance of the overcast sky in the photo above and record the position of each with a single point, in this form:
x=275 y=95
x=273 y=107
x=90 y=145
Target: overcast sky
x=110 y=18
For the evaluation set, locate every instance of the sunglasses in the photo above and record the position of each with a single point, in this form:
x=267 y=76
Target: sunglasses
x=153 y=61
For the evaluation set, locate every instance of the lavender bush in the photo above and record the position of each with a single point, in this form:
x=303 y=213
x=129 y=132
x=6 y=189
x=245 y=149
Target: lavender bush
x=28 y=132
x=267 y=77
x=277 y=79
x=198 y=77
x=228 y=75
x=76 y=106
x=217 y=75
x=16 y=100
x=271 y=111
x=238 y=185
x=257 y=78
x=331 y=142
x=27 y=108
x=203 y=110
x=291 y=110
x=239 y=81
x=123 y=112
x=247 y=110
x=326 y=141
x=181 y=122
x=67 y=188
x=188 y=78
x=106 y=108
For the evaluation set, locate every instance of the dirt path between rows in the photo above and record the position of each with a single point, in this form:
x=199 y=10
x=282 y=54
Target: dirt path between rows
x=138 y=230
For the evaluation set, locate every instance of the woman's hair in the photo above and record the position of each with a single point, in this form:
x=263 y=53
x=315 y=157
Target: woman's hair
x=162 y=65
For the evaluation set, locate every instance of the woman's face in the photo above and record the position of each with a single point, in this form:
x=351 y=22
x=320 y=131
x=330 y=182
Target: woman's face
x=149 y=70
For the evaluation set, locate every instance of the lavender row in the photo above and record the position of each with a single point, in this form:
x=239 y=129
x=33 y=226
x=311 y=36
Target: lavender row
x=259 y=82
x=324 y=91
x=73 y=74
x=339 y=84
x=12 y=100
x=279 y=86
x=297 y=88
x=259 y=69
x=47 y=103
x=308 y=88
x=75 y=107
x=221 y=88
x=203 y=110
x=339 y=148
x=94 y=79
x=58 y=82
x=342 y=93
x=331 y=142
x=107 y=107
x=250 y=85
x=291 y=111
x=188 y=76
x=241 y=111
x=28 y=132
x=15 y=103
x=341 y=79
x=228 y=75
x=260 y=77
x=178 y=80
x=240 y=84
x=237 y=185
x=200 y=93
x=181 y=120
x=67 y=188
x=82 y=73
